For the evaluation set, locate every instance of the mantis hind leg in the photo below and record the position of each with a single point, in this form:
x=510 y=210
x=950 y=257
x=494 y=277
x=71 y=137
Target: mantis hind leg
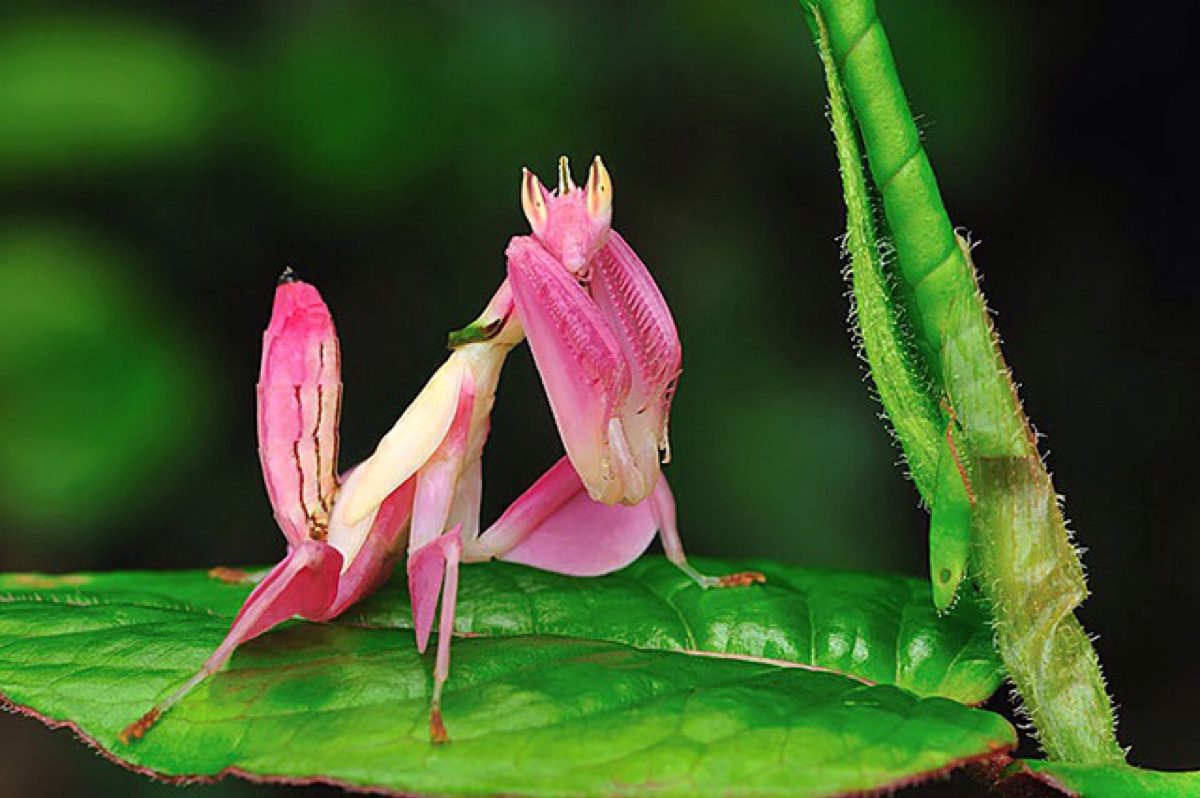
x=303 y=584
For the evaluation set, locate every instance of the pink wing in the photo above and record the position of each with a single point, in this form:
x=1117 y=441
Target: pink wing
x=557 y=527
x=580 y=361
x=299 y=400
x=629 y=300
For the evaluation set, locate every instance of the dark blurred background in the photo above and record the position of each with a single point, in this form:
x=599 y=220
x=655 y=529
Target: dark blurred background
x=161 y=163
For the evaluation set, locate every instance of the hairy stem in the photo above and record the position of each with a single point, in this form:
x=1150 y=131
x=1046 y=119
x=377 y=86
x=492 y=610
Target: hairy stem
x=897 y=371
x=901 y=379
x=1022 y=557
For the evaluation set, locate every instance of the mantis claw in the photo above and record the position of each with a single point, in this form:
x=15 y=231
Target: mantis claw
x=742 y=579
x=437 y=729
x=137 y=730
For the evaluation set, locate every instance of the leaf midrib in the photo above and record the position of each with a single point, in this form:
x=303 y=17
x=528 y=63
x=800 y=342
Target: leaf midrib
x=540 y=632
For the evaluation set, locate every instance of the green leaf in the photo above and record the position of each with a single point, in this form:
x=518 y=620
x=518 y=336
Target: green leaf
x=875 y=627
x=107 y=399
x=900 y=377
x=567 y=685
x=1106 y=781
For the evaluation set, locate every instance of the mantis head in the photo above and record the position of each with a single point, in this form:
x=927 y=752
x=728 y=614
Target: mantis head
x=571 y=223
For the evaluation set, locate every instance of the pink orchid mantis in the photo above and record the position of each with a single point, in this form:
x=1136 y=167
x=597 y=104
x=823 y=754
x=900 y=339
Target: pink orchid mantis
x=609 y=355
x=606 y=347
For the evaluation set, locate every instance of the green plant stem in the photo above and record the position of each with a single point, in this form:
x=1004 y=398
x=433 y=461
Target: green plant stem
x=897 y=370
x=899 y=374
x=1022 y=557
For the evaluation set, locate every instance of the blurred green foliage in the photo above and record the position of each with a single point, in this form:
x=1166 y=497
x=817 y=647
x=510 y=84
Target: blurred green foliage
x=99 y=92
x=105 y=400
x=342 y=104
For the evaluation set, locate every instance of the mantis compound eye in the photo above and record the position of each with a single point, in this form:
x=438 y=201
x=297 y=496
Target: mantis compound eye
x=599 y=193
x=533 y=201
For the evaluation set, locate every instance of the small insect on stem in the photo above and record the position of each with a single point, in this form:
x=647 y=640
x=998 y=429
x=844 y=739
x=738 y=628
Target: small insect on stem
x=951 y=517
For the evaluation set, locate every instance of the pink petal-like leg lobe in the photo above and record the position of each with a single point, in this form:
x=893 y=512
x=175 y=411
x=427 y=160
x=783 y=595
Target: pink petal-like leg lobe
x=299 y=400
x=556 y=526
x=581 y=364
x=433 y=569
x=468 y=499
x=426 y=568
x=303 y=584
x=662 y=505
